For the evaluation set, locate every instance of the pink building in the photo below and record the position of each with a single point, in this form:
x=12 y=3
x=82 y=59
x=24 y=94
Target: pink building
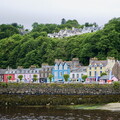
x=27 y=74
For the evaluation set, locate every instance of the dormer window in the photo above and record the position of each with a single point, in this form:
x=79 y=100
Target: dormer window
x=65 y=67
x=56 y=67
x=60 y=67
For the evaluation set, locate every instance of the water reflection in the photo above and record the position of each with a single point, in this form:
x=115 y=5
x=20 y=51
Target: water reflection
x=38 y=113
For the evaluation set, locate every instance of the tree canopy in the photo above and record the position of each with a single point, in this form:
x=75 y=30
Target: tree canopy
x=36 y=48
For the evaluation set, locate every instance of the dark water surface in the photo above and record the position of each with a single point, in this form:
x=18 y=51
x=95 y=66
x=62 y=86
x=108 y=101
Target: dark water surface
x=42 y=113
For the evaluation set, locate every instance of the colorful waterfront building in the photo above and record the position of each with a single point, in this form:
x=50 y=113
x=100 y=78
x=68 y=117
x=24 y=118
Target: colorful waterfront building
x=45 y=71
x=96 y=67
x=28 y=73
x=8 y=72
x=60 y=68
x=77 y=73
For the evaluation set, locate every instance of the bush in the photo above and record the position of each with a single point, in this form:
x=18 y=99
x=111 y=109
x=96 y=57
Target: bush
x=3 y=84
x=116 y=85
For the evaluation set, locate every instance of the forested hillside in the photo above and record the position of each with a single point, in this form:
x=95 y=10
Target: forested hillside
x=36 y=48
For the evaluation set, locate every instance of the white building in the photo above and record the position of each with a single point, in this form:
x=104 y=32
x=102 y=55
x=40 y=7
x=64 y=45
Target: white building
x=74 y=31
x=77 y=73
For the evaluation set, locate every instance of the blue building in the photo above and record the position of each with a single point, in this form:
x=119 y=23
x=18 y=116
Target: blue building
x=60 y=68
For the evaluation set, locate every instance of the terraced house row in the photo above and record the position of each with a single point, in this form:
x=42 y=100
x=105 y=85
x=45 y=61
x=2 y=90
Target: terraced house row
x=73 y=68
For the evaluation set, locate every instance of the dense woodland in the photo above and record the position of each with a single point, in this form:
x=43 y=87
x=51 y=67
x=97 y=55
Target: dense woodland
x=35 y=48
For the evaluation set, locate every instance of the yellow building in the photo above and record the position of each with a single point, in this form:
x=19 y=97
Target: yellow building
x=96 y=67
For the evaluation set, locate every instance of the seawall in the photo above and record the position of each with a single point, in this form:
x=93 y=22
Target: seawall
x=57 y=94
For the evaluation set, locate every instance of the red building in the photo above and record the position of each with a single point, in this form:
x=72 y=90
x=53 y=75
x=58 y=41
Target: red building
x=6 y=77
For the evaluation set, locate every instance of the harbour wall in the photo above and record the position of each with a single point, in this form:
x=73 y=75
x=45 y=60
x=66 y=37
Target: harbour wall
x=58 y=94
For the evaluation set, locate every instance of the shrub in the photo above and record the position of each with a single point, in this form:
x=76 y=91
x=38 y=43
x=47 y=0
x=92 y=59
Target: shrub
x=3 y=84
x=116 y=85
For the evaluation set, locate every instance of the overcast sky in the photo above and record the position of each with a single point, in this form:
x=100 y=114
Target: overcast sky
x=26 y=12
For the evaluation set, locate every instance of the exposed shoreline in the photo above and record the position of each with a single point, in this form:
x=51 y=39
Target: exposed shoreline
x=109 y=106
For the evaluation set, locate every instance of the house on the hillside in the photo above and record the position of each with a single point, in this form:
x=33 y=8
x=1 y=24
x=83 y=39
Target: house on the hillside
x=74 y=31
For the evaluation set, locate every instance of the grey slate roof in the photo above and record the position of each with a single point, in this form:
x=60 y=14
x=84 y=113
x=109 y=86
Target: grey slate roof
x=98 y=62
x=2 y=71
x=105 y=77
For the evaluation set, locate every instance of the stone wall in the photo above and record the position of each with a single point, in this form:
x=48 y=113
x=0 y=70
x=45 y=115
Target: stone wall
x=57 y=94
x=59 y=89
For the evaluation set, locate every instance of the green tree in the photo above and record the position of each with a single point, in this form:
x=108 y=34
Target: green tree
x=7 y=31
x=9 y=77
x=35 y=78
x=20 y=77
x=63 y=21
x=50 y=77
x=35 y=25
x=84 y=77
x=66 y=76
x=103 y=74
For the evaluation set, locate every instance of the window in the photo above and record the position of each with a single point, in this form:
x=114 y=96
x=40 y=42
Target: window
x=100 y=72
x=60 y=73
x=45 y=74
x=56 y=74
x=56 y=67
x=95 y=73
x=65 y=72
x=90 y=73
x=42 y=75
x=73 y=75
x=65 y=67
x=60 y=67
x=100 y=67
x=29 y=76
x=90 y=68
x=95 y=68
x=77 y=75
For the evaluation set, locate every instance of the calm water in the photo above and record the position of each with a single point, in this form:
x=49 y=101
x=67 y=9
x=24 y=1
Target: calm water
x=37 y=113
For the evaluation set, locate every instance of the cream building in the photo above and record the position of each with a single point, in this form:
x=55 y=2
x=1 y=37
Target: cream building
x=96 y=67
